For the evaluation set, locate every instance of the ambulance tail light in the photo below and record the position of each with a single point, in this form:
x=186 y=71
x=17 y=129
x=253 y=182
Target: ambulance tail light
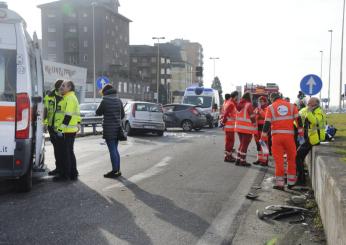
x=22 y=116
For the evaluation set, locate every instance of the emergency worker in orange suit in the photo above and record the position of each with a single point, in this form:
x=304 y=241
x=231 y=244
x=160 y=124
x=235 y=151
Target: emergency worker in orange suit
x=260 y=112
x=245 y=126
x=280 y=116
x=228 y=120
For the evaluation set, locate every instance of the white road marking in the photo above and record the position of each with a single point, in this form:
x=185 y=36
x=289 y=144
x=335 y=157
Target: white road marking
x=221 y=225
x=154 y=170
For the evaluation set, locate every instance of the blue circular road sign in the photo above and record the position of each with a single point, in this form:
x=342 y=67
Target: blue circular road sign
x=102 y=81
x=311 y=84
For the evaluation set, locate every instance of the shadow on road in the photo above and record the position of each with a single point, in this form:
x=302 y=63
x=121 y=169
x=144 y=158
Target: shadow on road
x=66 y=213
x=168 y=211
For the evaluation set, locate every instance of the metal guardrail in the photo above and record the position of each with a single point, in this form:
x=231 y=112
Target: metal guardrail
x=93 y=121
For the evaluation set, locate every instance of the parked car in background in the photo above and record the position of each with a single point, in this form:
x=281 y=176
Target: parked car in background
x=184 y=116
x=143 y=117
x=88 y=109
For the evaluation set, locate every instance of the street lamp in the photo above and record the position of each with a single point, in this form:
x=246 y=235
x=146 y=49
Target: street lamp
x=330 y=64
x=214 y=58
x=93 y=4
x=342 y=54
x=321 y=71
x=158 y=65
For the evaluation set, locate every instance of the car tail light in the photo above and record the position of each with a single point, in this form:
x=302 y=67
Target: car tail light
x=22 y=116
x=133 y=110
x=195 y=111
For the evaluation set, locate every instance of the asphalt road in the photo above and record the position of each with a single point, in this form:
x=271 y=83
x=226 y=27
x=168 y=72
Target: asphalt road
x=175 y=189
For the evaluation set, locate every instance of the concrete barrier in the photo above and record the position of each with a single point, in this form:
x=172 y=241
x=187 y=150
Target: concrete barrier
x=328 y=176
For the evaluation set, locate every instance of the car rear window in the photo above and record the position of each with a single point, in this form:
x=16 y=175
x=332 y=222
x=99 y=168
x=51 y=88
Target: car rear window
x=141 y=107
x=180 y=107
x=155 y=108
x=8 y=75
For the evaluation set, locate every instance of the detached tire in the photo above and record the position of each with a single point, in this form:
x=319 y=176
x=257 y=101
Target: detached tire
x=186 y=125
x=24 y=183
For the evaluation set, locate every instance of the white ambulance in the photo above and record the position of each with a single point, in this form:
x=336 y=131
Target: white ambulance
x=208 y=99
x=21 y=101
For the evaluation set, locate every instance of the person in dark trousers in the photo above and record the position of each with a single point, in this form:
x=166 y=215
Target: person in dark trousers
x=51 y=100
x=111 y=108
x=67 y=124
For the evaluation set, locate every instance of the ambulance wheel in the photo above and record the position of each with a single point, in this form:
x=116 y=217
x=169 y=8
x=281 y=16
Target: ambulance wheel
x=216 y=124
x=24 y=183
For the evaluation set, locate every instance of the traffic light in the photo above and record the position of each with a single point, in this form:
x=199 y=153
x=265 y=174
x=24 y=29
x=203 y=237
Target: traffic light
x=199 y=71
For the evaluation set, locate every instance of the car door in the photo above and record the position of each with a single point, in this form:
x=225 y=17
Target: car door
x=156 y=115
x=8 y=78
x=169 y=116
x=38 y=88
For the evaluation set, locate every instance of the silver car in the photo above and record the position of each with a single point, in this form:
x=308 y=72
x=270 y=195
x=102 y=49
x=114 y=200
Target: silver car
x=143 y=117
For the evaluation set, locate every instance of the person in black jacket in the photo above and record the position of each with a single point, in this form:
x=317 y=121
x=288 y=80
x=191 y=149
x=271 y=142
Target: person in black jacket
x=112 y=110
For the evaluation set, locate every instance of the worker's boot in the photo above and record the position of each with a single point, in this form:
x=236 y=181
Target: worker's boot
x=279 y=184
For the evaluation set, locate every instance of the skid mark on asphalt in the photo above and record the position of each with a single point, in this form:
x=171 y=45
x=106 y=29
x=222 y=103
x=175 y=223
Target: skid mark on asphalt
x=154 y=170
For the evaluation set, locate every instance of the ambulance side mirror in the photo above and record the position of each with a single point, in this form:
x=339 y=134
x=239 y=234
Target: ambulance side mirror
x=36 y=99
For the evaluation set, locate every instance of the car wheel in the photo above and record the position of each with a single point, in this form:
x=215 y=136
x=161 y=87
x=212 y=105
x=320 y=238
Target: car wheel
x=160 y=133
x=128 y=129
x=216 y=124
x=186 y=125
x=197 y=129
x=211 y=125
x=24 y=183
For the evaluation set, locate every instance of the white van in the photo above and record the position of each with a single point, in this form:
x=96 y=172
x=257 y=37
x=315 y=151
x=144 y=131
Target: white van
x=21 y=101
x=209 y=101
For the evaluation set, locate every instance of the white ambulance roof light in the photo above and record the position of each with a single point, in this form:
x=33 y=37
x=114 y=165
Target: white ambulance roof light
x=3 y=5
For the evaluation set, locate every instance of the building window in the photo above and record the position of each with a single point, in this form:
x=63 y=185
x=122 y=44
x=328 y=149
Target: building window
x=163 y=71
x=120 y=85
x=85 y=43
x=153 y=71
x=51 y=15
x=162 y=81
x=51 y=44
x=139 y=89
x=121 y=37
x=148 y=89
x=153 y=59
x=85 y=58
x=134 y=88
x=51 y=29
x=168 y=71
x=107 y=45
x=73 y=15
x=85 y=15
x=125 y=51
x=72 y=29
x=125 y=87
x=113 y=33
x=112 y=19
x=130 y=88
x=52 y=57
x=162 y=60
x=85 y=29
x=106 y=17
x=134 y=60
x=116 y=27
x=168 y=61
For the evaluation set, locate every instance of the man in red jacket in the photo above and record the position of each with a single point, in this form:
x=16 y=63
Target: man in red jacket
x=228 y=120
x=260 y=111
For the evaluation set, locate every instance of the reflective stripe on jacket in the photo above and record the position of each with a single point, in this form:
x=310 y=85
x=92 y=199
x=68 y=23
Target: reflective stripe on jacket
x=315 y=123
x=281 y=114
x=68 y=106
x=243 y=123
x=230 y=116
